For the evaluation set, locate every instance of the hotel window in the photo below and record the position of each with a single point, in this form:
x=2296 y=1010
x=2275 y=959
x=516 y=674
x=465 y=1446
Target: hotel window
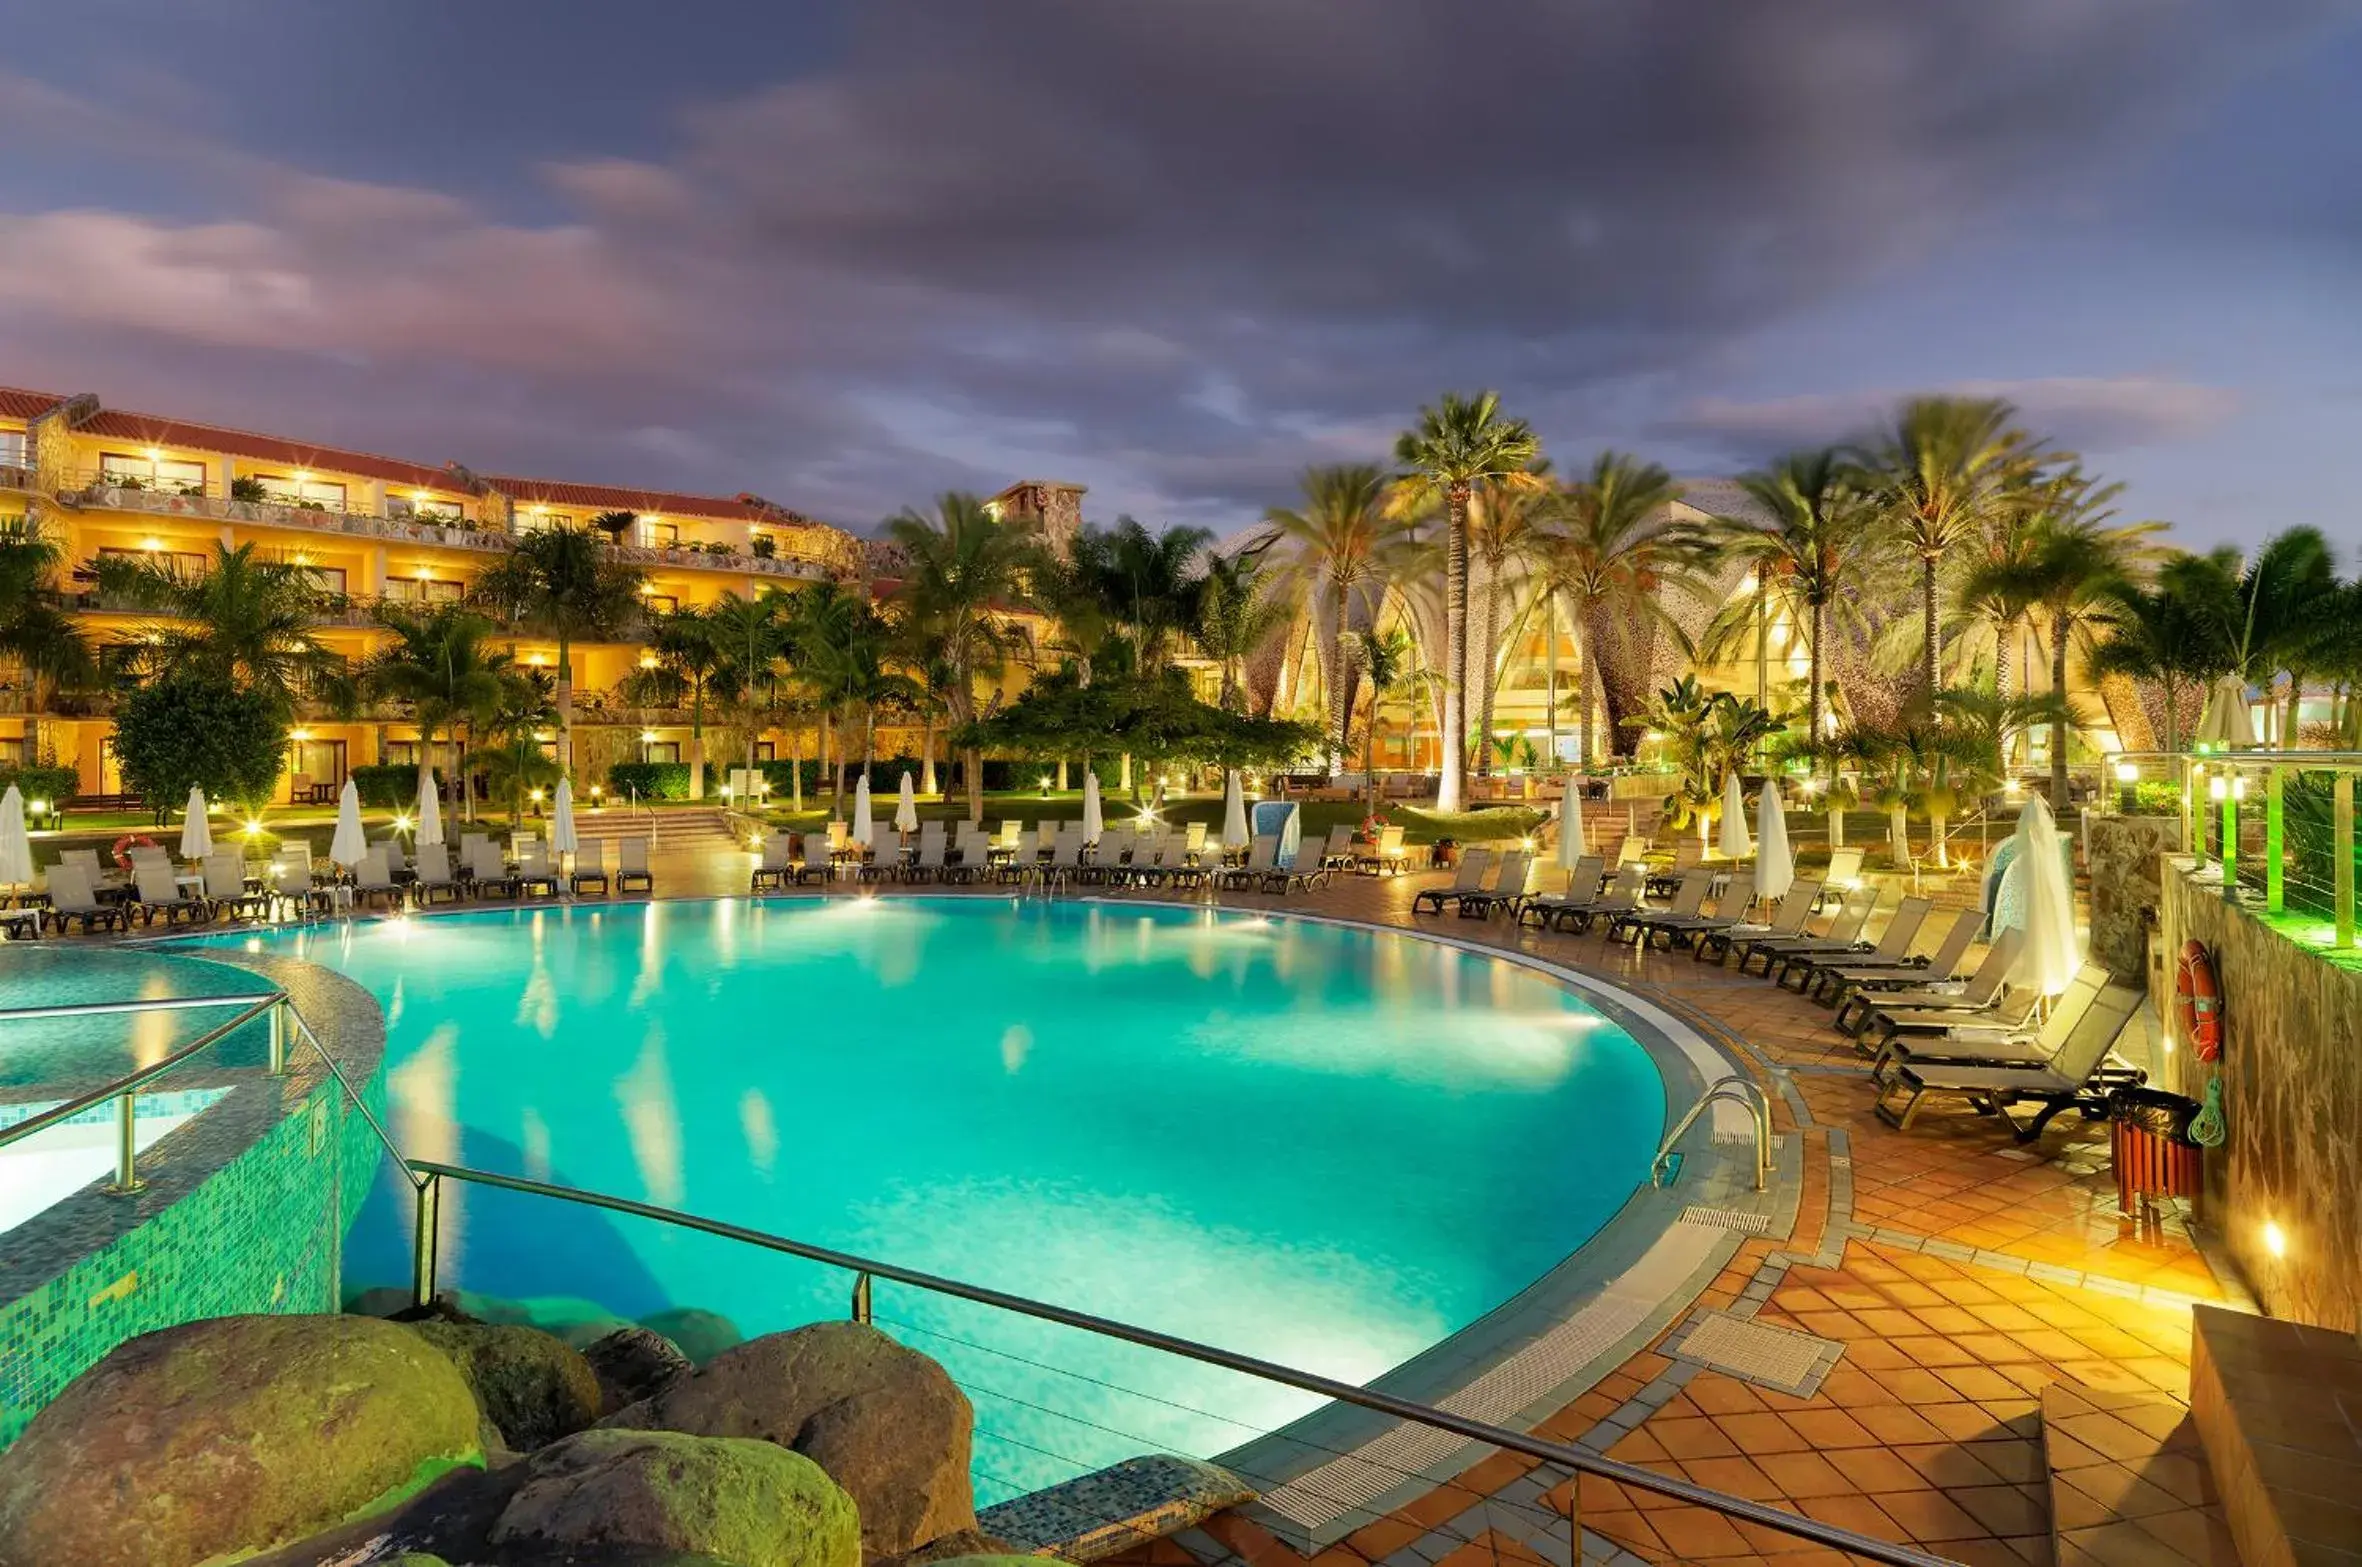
x=309 y=493
x=183 y=562
x=661 y=603
x=656 y=535
x=12 y=448
x=138 y=471
x=424 y=590
x=534 y=519
x=330 y=579
x=410 y=507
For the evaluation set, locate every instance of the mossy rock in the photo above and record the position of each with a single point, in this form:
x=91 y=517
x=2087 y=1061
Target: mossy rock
x=632 y=1364
x=700 y=1335
x=886 y=1423
x=745 y=1502
x=229 y=1436
x=534 y=1388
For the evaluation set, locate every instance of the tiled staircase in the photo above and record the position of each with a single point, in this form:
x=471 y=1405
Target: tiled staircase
x=685 y=831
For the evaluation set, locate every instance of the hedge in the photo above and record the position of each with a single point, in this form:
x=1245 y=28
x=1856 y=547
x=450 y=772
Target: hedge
x=670 y=780
x=57 y=785
x=389 y=785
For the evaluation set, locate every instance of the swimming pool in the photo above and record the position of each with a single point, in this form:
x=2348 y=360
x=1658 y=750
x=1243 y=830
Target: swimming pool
x=1325 y=1145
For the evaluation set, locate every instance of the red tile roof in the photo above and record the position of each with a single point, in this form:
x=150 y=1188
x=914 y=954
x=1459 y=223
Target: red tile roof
x=18 y=403
x=607 y=497
x=156 y=430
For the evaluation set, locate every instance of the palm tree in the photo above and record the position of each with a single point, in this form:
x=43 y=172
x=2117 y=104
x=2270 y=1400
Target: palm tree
x=686 y=647
x=1149 y=587
x=1816 y=541
x=1389 y=661
x=1335 y=548
x=968 y=567
x=2288 y=600
x=1458 y=444
x=1504 y=526
x=750 y=635
x=516 y=722
x=2159 y=634
x=1612 y=552
x=441 y=667
x=250 y=618
x=1236 y=614
x=36 y=632
x=560 y=583
x=1940 y=475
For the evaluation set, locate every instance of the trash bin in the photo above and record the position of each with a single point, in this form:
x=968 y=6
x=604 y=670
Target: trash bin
x=2149 y=1143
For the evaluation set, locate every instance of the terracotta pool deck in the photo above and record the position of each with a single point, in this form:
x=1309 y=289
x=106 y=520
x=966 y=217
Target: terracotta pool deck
x=1961 y=1272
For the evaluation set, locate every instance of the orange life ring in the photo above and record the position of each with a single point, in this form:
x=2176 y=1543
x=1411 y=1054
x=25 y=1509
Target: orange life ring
x=123 y=846
x=2198 y=1002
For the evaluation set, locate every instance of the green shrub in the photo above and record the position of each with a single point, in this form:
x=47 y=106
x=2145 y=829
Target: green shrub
x=388 y=785
x=57 y=785
x=2157 y=797
x=649 y=780
x=190 y=728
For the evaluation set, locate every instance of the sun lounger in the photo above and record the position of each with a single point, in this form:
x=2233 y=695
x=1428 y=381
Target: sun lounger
x=226 y=890
x=1843 y=935
x=1337 y=854
x=536 y=871
x=1582 y=885
x=1971 y=1039
x=1508 y=891
x=1893 y=947
x=2078 y=1077
x=631 y=865
x=373 y=880
x=1843 y=875
x=71 y=898
x=1262 y=859
x=1066 y=855
x=774 y=865
x=1021 y=858
x=1688 y=854
x=1475 y=865
x=817 y=864
x=1737 y=896
x=1688 y=898
x=929 y=864
x=590 y=868
x=488 y=874
x=1870 y=1000
x=1715 y=940
x=1624 y=893
x=1386 y=857
x=1833 y=982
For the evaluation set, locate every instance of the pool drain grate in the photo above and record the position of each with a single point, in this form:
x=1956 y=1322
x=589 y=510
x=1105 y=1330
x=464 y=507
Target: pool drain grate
x=1726 y=1219
x=1777 y=1358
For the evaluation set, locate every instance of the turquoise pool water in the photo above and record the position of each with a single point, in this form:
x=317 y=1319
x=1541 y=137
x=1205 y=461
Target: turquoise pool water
x=1321 y=1145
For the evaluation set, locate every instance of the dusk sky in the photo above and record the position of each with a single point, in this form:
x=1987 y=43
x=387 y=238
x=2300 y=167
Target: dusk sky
x=851 y=255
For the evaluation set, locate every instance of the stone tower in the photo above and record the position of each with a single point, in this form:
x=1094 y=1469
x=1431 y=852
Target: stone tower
x=1058 y=507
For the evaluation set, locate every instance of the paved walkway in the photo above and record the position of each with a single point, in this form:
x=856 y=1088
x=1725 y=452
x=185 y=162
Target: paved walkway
x=1960 y=1273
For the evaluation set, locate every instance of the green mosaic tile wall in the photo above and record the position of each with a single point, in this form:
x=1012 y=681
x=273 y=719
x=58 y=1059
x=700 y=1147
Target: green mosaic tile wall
x=265 y=1233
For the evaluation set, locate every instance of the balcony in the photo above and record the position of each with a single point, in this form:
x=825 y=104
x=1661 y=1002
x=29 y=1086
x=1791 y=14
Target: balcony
x=740 y=561
x=117 y=492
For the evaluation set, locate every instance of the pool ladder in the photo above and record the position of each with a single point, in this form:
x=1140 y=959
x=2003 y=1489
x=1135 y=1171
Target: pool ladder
x=1758 y=1106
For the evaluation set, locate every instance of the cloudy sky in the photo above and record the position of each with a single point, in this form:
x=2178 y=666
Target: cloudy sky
x=849 y=255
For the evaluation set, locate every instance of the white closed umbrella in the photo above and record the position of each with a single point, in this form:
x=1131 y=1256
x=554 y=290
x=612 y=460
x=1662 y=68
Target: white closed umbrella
x=1735 y=843
x=864 y=826
x=906 y=810
x=430 y=815
x=2227 y=721
x=1094 y=816
x=350 y=843
x=1775 y=864
x=1570 y=827
x=196 y=833
x=16 y=845
x=2051 y=954
x=1234 y=813
x=562 y=836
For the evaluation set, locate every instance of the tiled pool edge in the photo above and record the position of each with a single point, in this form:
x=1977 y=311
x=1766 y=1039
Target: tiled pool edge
x=245 y=1210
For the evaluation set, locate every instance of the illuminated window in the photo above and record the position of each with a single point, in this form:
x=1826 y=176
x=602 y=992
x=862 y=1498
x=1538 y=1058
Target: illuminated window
x=425 y=509
x=152 y=473
x=12 y=448
x=304 y=491
x=186 y=563
x=661 y=603
x=658 y=535
x=423 y=590
x=534 y=519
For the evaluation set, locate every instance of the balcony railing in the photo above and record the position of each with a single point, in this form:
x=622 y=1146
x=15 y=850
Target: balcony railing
x=122 y=492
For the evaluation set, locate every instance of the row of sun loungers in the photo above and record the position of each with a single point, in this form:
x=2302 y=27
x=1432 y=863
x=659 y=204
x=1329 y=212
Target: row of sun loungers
x=1176 y=860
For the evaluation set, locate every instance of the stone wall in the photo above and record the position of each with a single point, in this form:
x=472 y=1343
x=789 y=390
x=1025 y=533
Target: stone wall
x=2292 y=1100
x=2127 y=885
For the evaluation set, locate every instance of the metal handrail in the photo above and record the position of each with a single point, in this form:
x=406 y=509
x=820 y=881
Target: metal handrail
x=1758 y=1105
x=129 y=1085
x=865 y=1269
x=154 y=1004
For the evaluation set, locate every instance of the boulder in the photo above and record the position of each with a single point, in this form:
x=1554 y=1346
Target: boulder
x=229 y=1436
x=632 y=1364
x=700 y=1335
x=381 y=1300
x=528 y=1384
x=735 y=1500
x=583 y=1333
x=887 y=1423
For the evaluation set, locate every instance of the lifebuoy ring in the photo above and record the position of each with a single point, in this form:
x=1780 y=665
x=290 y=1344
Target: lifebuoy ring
x=2198 y=1002
x=125 y=844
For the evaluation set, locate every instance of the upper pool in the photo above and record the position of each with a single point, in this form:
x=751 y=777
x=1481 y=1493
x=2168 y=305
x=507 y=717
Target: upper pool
x=1329 y=1146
